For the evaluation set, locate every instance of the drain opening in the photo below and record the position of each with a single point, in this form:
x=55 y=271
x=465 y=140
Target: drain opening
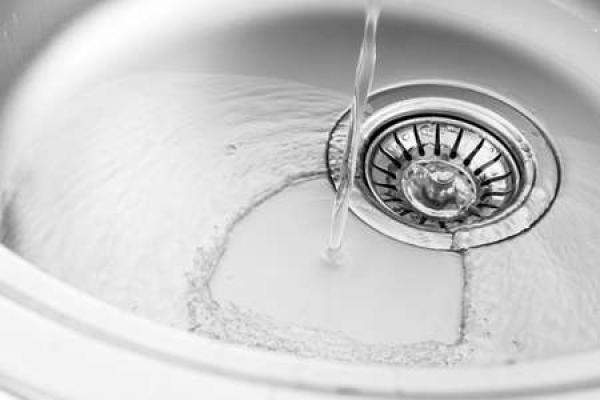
x=441 y=173
x=431 y=167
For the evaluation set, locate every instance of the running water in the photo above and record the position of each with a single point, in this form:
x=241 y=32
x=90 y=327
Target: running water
x=362 y=86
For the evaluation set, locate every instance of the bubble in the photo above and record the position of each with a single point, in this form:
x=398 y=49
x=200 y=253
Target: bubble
x=231 y=149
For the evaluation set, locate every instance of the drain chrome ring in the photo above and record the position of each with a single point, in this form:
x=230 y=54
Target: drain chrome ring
x=458 y=170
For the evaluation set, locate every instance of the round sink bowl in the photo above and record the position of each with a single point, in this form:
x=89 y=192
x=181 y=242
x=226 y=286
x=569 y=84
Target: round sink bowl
x=118 y=164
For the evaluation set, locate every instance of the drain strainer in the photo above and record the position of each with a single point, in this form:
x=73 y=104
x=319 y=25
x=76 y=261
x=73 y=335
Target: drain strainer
x=441 y=173
x=448 y=172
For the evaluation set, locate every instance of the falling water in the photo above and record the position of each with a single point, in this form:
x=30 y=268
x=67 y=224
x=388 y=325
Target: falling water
x=362 y=86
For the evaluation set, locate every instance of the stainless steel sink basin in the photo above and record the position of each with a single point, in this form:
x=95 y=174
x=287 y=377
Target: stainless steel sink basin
x=73 y=70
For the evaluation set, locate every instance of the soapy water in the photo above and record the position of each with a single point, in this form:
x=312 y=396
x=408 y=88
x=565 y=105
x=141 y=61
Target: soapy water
x=131 y=191
x=154 y=173
x=362 y=86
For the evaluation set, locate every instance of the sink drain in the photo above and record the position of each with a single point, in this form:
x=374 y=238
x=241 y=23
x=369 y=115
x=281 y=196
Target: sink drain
x=441 y=173
x=448 y=172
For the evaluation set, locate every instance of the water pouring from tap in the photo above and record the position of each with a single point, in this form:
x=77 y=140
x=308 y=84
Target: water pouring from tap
x=362 y=86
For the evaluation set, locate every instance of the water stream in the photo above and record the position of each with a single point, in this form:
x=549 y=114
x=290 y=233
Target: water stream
x=365 y=70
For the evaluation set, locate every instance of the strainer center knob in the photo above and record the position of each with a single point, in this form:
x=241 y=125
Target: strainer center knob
x=438 y=188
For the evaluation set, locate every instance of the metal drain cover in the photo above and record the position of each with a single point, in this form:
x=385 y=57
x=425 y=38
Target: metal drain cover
x=448 y=172
x=441 y=173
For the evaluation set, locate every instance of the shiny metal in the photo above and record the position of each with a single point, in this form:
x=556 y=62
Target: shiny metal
x=494 y=154
x=479 y=175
